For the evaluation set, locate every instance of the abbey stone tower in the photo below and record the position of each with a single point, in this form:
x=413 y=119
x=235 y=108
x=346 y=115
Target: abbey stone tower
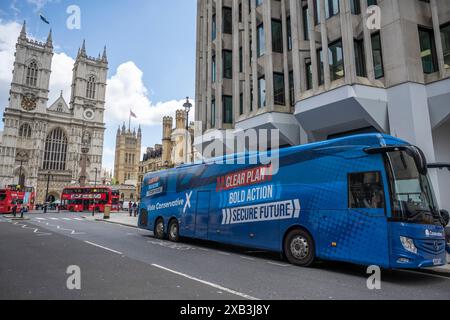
x=60 y=144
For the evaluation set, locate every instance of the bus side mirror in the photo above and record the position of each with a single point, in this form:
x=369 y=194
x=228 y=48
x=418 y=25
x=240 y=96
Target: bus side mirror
x=445 y=217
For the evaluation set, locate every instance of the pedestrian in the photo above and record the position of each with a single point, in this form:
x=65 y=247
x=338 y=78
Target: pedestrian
x=135 y=209
x=130 y=208
x=22 y=210
x=14 y=209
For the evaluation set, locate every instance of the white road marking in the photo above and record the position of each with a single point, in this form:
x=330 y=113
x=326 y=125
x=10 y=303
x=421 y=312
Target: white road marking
x=426 y=274
x=41 y=219
x=223 y=253
x=35 y=230
x=102 y=247
x=54 y=219
x=216 y=286
x=246 y=258
x=59 y=228
x=78 y=219
x=67 y=219
x=278 y=264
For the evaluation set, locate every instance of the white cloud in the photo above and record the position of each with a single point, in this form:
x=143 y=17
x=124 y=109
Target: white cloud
x=61 y=77
x=39 y=4
x=8 y=37
x=126 y=91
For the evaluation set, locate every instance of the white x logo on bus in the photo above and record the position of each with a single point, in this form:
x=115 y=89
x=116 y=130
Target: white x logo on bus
x=188 y=202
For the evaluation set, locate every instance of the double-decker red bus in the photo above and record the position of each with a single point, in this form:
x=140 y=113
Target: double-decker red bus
x=78 y=199
x=18 y=196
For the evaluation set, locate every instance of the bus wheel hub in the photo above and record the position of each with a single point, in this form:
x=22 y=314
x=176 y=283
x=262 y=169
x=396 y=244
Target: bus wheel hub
x=299 y=248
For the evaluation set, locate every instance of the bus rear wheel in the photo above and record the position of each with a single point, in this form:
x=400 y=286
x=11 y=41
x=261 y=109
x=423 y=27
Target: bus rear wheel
x=174 y=231
x=159 y=229
x=299 y=248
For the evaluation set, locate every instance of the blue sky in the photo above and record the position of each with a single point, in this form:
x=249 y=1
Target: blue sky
x=151 y=51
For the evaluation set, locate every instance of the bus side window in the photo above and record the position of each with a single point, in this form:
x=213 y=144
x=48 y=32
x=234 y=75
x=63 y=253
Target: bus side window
x=365 y=190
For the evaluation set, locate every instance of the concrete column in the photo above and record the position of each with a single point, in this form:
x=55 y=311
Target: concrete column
x=325 y=55
x=255 y=57
x=437 y=37
x=236 y=73
x=312 y=45
x=285 y=54
x=219 y=64
x=208 y=49
x=409 y=119
x=347 y=41
x=298 y=63
x=206 y=63
x=199 y=52
x=246 y=20
x=268 y=56
x=367 y=43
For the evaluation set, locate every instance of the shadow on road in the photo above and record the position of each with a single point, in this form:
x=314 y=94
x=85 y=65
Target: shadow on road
x=399 y=277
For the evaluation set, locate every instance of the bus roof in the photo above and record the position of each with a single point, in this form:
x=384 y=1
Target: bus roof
x=355 y=141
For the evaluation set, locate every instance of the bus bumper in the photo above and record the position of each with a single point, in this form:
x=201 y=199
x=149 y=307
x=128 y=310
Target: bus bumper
x=417 y=246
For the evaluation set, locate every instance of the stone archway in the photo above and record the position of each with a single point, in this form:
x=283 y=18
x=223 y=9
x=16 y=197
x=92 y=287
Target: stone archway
x=53 y=196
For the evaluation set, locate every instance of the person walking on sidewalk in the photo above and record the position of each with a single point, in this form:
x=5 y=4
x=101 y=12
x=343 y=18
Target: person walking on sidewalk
x=14 y=209
x=135 y=209
x=130 y=208
x=22 y=210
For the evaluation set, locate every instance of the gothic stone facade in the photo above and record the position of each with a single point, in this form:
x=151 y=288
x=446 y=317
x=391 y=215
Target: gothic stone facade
x=128 y=152
x=41 y=143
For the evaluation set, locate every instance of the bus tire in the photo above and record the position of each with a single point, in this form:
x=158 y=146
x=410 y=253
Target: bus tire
x=299 y=248
x=174 y=231
x=159 y=229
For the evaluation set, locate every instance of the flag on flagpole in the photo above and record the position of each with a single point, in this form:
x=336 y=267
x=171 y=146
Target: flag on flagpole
x=132 y=114
x=44 y=19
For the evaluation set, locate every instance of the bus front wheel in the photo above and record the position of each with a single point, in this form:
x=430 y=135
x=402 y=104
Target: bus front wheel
x=159 y=229
x=174 y=231
x=299 y=248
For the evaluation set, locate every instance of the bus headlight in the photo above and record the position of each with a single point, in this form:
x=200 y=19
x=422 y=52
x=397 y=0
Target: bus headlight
x=408 y=244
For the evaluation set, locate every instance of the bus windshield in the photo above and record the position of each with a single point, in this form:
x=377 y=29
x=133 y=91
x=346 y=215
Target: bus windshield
x=2 y=196
x=413 y=198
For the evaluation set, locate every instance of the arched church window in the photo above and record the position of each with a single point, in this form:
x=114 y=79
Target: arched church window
x=25 y=131
x=32 y=74
x=91 y=88
x=55 y=155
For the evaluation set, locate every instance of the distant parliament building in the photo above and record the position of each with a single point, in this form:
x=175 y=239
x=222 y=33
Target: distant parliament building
x=43 y=142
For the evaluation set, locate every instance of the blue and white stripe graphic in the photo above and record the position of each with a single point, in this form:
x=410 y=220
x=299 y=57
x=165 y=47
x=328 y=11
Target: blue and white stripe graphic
x=282 y=210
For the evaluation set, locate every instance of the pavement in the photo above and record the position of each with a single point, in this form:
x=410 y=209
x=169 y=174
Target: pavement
x=122 y=218
x=123 y=262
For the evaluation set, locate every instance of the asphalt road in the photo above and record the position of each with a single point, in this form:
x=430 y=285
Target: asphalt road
x=119 y=262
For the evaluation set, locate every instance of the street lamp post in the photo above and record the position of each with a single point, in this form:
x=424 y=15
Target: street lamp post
x=187 y=107
x=95 y=186
x=46 y=192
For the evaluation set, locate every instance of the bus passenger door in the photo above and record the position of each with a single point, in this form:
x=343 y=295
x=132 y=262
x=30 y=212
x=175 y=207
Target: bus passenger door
x=360 y=233
x=202 y=215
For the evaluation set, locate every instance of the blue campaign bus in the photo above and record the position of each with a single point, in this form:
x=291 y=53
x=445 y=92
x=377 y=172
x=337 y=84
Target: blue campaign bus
x=363 y=199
